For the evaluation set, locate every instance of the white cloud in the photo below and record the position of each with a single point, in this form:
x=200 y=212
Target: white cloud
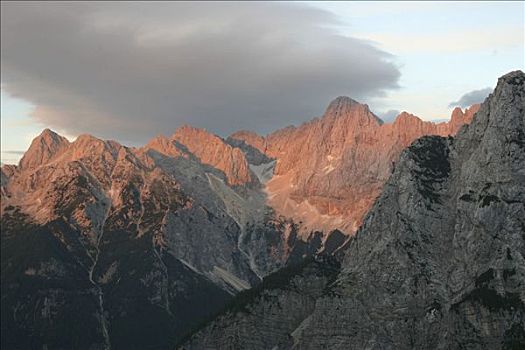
x=449 y=41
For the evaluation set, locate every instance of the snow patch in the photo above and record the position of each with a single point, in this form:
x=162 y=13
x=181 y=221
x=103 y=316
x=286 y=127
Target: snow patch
x=108 y=275
x=235 y=205
x=232 y=280
x=328 y=169
x=264 y=172
x=240 y=210
x=190 y=266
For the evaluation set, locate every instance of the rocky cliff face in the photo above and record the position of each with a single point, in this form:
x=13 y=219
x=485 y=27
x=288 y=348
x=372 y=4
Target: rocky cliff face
x=212 y=150
x=130 y=244
x=43 y=148
x=329 y=171
x=108 y=246
x=438 y=263
x=143 y=242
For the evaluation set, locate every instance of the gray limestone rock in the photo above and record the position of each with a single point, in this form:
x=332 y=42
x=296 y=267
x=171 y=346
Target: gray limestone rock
x=439 y=262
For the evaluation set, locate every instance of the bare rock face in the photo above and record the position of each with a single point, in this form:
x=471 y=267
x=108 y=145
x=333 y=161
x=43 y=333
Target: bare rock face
x=329 y=171
x=459 y=118
x=251 y=138
x=212 y=150
x=439 y=262
x=43 y=148
x=130 y=244
x=166 y=147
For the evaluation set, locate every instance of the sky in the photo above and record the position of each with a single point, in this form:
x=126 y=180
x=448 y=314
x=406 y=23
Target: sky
x=131 y=70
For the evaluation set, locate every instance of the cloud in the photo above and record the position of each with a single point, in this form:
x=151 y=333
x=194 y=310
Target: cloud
x=10 y=157
x=132 y=70
x=450 y=41
x=14 y=152
x=389 y=116
x=470 y=98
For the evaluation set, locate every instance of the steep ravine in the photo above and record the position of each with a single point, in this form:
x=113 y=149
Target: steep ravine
x=102 y=316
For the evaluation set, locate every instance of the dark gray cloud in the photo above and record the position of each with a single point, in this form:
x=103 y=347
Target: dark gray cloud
x=131 y=70
x=470 y=98
x=389 y=116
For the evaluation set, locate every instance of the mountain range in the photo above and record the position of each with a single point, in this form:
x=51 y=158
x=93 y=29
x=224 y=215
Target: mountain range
x=438 y=262
x=332 y=234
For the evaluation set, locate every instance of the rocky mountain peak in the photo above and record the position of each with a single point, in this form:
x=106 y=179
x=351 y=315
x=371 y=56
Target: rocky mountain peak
x=346 y=107
x=90 y=146
x=44 y=147
x=457 y=111
x=50 y=136
x=250 y=138
x=189 y=129
x=163 y=145
x=436 y=264
x=470 y=111
x=512 y=78
x=87 y=140
x=405 y=117
x=117 y=227
x=500 y=120
x=191 y=136
x=511 y=90
x=324 y=165
x=212 y=150
x=341 y=105
x=460 y=117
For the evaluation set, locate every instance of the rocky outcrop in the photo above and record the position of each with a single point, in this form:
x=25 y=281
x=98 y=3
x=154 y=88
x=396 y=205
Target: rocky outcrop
x=165 y=146
x=212 y=150
x=251 y=138
x=458 y=118
x=254 y=149
x=330 y=170
x=43 y=148
x=439 y=261
x=131 y=244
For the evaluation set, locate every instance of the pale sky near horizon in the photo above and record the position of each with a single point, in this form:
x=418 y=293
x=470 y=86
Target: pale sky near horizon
x=429 y=55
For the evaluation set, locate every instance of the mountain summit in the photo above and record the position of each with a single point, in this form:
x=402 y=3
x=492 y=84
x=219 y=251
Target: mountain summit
x=131 y=244
x=329 y=171
x=344 y=106
x=44 y=147
x=437 y=264
x=212 y=150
